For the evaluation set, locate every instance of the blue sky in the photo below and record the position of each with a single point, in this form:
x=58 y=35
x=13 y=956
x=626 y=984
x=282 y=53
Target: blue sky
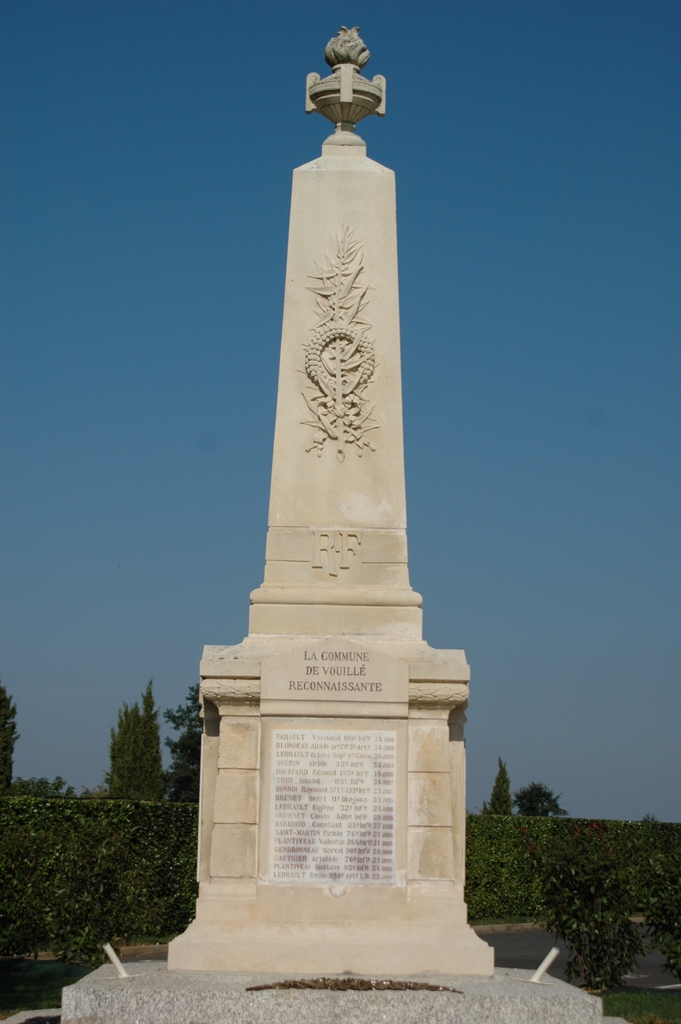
x=145 y=166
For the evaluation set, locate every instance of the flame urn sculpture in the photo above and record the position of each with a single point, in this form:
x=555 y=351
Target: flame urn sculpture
x=344 y=96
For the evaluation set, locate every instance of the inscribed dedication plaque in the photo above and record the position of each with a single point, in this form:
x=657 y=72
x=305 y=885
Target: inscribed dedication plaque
x=337 y=672
x=333 y=812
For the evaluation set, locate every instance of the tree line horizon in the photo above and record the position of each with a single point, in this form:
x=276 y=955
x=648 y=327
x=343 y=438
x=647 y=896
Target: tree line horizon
x=135 y=769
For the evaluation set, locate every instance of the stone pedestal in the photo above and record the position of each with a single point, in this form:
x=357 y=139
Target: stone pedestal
x=333 y=771
x=153 y=995
x=332 y=819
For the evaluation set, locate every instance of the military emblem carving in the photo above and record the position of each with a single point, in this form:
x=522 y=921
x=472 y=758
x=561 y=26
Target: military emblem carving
x=339 y=356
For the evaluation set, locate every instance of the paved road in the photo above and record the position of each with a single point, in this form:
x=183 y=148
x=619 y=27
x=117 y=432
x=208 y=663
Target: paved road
x=528 y=949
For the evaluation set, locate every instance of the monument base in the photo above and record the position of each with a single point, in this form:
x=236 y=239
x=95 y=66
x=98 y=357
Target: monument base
x=416 y=941
x=389 y=930
x=154 y=995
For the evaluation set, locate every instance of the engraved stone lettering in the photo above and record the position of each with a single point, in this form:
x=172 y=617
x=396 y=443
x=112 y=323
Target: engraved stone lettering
x=333 y=806
x=334 y=542
x=335 y=670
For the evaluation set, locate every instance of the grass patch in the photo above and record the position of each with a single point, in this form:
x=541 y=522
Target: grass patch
x=34 y=984
x=645 y=1007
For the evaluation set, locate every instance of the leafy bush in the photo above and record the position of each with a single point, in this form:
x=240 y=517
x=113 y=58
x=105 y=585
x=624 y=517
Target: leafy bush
x=588 y=893
x=662 y=906
x=77 y=873
x=501 y=881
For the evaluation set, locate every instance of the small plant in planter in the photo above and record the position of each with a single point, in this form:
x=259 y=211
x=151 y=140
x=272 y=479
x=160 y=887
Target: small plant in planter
x=586 y=883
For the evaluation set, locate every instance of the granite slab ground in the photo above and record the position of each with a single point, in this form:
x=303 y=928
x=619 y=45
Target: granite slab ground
x=154 y=995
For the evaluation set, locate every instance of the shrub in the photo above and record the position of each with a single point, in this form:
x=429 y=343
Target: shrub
x=662 y=906
x=77 y=873
x=501 y=881
x=588 y=893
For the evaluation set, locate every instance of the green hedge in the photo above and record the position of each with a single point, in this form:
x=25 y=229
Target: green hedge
x=499 y=880
x=76 y=873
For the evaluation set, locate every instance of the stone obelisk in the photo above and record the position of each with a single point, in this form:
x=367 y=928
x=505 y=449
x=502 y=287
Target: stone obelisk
x=333 y=767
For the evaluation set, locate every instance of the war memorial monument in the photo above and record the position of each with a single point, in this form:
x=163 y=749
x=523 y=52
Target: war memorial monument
x=332 y=815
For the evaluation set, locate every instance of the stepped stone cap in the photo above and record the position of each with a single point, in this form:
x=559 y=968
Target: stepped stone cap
x=344 y=97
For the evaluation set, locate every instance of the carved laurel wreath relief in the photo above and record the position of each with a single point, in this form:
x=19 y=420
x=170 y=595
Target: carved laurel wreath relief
x=339 y=356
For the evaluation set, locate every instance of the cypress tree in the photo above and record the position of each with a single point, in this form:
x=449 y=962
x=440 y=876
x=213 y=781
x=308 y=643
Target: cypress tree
x=182 y=780
x=150 y=757
x=8 y=737
x=500 y=801
x=121 y=778
x=136 y=771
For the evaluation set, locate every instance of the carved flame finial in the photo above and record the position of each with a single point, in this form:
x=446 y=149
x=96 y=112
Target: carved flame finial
x=345 y=97
x=346 y=48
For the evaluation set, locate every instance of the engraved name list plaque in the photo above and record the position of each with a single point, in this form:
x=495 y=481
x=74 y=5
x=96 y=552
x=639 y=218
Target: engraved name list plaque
x=333 y=806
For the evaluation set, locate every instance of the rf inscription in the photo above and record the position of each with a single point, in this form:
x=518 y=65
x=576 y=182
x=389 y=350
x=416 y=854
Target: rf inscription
x=333 y=807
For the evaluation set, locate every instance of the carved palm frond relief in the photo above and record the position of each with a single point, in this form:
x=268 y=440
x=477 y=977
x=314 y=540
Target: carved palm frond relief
x=339 y=356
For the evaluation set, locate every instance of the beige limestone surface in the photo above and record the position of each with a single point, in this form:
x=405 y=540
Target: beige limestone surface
x=362 y=869
x=336 y=556
x=248 y=919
